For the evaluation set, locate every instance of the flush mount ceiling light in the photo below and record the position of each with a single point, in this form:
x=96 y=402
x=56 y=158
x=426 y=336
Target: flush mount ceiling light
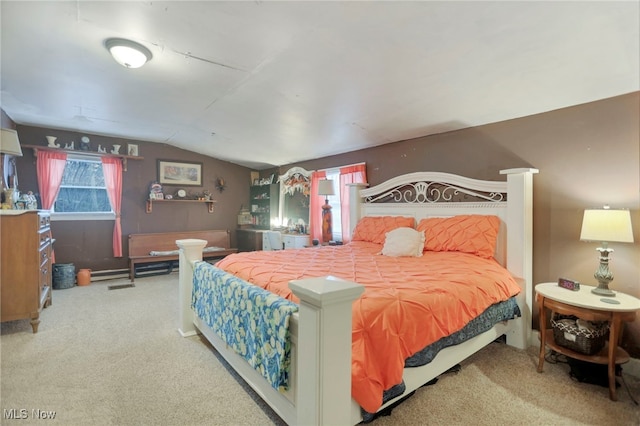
x=128 y=53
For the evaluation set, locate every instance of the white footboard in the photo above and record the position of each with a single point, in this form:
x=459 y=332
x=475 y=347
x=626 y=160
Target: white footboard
x=190 y=252
x=321 y=356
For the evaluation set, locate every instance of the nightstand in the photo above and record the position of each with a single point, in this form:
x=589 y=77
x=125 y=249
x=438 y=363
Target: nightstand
x=588 y=306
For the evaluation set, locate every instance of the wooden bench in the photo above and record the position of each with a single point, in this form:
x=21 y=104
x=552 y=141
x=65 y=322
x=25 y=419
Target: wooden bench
x=161 y=249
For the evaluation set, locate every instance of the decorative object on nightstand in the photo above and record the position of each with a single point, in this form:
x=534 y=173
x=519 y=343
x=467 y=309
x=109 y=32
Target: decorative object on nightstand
x=606 y=225
x=325 y=187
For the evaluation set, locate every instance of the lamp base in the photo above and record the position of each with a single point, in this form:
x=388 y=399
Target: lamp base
x=603 y=291
x=603 y=274
x=327 y=231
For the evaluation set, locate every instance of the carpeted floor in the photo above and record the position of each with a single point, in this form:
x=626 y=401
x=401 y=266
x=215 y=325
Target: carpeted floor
x=114 y=357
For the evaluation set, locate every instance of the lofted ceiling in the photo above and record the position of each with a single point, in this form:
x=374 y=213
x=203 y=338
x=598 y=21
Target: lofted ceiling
x=265 y=83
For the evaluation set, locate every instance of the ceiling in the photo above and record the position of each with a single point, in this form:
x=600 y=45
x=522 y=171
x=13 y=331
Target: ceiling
x=264 y=83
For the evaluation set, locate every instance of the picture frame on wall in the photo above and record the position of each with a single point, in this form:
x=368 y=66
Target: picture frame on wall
x=179 y=173
x=132 y=149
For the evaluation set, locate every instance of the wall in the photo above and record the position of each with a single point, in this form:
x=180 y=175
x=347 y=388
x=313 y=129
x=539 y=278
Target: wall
x=87 y=244
x=588 y=155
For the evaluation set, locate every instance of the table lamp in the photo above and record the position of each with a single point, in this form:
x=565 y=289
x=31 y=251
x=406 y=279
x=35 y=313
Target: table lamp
x=9 y=145
x=325 y=187
x=606 y=225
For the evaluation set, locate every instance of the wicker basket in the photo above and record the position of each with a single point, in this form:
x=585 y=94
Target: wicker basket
x=567 y=334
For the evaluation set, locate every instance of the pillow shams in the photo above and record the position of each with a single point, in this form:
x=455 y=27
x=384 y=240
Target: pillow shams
x=474 y=234
x=403 y=242
x=374 y=228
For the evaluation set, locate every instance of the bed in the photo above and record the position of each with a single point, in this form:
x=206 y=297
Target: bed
x=325 y=358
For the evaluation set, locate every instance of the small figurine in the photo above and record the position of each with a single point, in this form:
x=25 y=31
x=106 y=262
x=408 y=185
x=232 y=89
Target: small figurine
x=51 y=142
x=102 y=150
x=84 y=143
x=69 y=145
x=32 y=201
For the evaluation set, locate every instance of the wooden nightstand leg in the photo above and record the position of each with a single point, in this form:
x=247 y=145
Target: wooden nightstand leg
x=613 y=344
x=542 y=326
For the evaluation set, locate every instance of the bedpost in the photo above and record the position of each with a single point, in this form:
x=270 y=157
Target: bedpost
x=355 y=201
x=520 y=240
x=324 y=350
x=190 y=251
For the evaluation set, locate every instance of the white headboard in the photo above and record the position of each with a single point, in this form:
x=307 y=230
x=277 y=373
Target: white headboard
x=436 y=194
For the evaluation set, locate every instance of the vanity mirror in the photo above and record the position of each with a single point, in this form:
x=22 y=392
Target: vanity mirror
x=295 y=187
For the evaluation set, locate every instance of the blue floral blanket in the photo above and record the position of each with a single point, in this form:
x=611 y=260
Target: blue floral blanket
x=251 y=320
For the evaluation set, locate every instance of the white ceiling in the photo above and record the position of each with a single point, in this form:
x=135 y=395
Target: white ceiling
x=269 y=83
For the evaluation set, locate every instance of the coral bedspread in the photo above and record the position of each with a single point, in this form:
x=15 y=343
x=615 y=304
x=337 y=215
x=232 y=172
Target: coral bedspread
x=408 y=303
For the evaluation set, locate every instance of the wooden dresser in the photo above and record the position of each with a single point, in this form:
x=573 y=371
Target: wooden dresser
x=25 y=285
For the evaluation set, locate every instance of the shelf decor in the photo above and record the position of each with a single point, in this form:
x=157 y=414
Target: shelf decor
x=179 y=173
x=102 y=152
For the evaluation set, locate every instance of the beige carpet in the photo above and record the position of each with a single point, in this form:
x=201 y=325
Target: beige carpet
x=114 y=357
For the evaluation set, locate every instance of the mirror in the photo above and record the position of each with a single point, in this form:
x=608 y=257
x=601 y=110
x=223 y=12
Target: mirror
x=295 y=187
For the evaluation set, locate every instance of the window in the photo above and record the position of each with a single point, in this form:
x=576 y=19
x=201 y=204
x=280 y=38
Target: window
x=83 y=194
x=334 y=202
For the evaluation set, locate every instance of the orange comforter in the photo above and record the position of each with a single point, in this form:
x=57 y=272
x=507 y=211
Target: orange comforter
x=408 y=303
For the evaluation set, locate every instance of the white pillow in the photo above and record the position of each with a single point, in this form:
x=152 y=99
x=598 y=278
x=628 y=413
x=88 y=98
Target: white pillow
x=403 y=242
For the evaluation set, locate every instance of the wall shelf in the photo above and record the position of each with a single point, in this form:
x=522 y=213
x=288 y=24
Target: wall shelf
x=209 y=203
x=123 y=157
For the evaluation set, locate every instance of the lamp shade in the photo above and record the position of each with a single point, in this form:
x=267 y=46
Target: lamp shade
x=128 y=53
x=607 y=225
x=325 y=187
x=9 y=143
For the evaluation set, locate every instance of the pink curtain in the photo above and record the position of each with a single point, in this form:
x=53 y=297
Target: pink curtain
x=315 y=206
x=112 y=169
x=49 y=169
x=349 y=174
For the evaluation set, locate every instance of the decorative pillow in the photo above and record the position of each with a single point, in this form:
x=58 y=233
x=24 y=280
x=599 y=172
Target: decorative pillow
x=403 y=242
x=475 y=234
x=374 y=228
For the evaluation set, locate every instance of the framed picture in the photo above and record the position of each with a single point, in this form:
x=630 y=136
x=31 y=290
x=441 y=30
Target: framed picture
x=179 y=173
x=132 y=150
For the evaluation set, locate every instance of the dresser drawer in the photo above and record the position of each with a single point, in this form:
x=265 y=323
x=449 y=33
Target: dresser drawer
x=294 y=241
x=45 y=220
x=44 y=236
x=45 y=254
x=45 y=276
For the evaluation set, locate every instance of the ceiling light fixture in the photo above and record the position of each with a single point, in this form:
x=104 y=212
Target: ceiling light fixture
x=128 y=53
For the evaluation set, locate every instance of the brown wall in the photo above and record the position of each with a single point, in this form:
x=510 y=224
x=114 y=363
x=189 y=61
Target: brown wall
x=588 y=155
x=87 y=244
